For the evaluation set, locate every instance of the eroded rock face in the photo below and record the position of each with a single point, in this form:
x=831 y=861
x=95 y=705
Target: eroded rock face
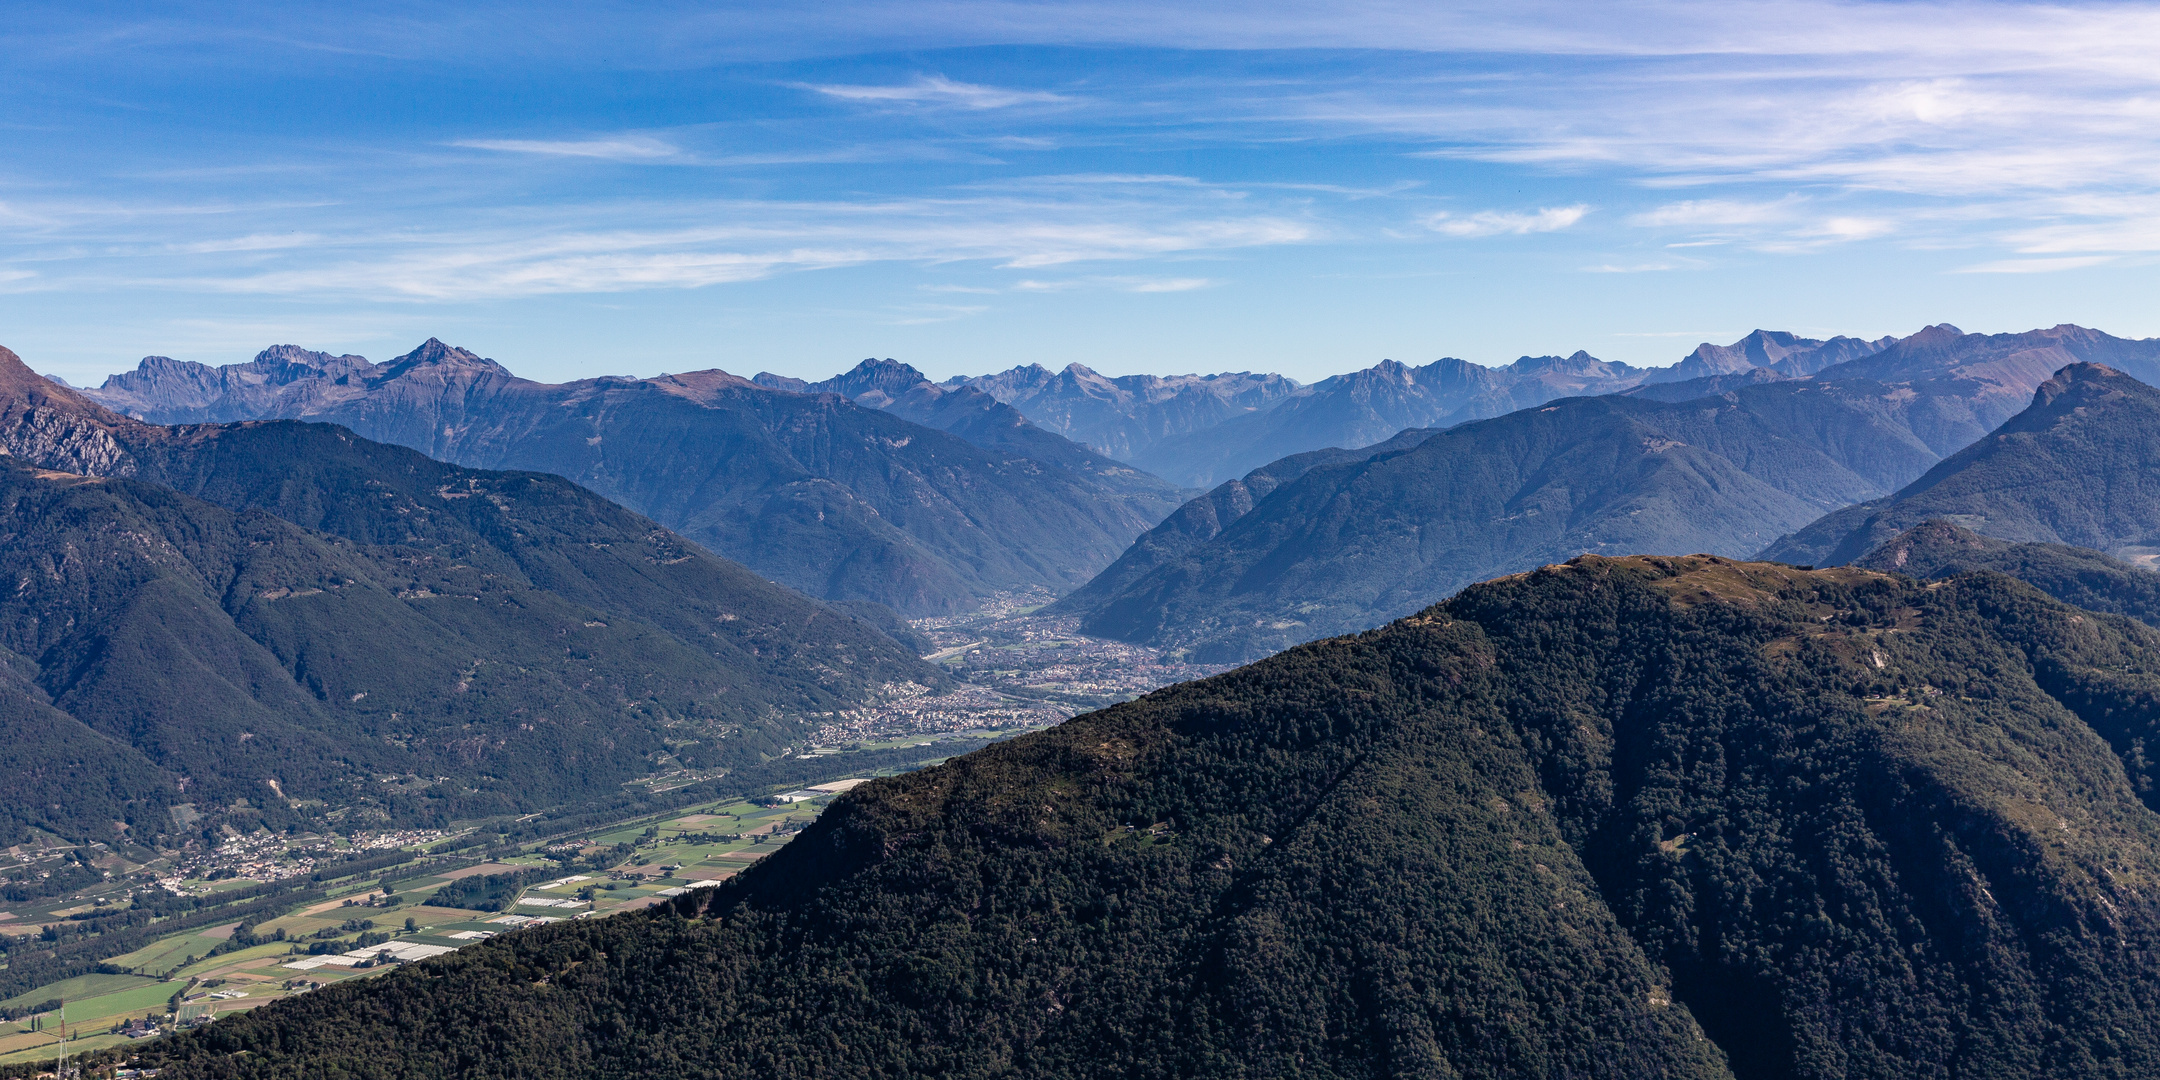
x=53 y=427
x=53 y=440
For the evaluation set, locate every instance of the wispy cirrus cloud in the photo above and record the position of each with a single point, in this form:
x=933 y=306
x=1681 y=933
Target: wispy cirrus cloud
x=612 y=148
x=1505 y=222
x=936 y=90
x=2035 y=266
x=1717 y=213
x=640 y=247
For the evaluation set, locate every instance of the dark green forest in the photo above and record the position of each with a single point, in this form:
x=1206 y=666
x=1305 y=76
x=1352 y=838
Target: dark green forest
x=2080 y=577
x=1640 y=817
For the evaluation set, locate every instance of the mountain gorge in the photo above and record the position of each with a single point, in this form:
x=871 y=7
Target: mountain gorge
x=1630 y=817
x=842 y=501
x=276 y=621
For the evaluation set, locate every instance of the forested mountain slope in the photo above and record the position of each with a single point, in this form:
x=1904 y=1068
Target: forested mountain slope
x=262 y=616
x=2077 y=576
x=1337 y=550
x=839 y=500
x=2079 y=466
x=1351 y=545
x=1204 y=517
x=1622 y=818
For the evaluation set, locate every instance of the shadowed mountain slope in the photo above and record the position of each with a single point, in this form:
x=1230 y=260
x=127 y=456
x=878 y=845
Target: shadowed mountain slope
x=1350 y=545
x=1624 y=818
x=1204 y=517
x=262 y=615
x=842 y=501
x=2079 y=466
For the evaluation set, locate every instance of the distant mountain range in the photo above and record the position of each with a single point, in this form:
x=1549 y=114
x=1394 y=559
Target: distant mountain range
x=1633 y=819
x=1688 y=466
x=1204 y=429
x=901 y=390
x=276 y=621
x=1347 y=502
x=1126 y=416
x=843 y=501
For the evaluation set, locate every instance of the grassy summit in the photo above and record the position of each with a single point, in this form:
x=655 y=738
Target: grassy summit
x=1622 y=817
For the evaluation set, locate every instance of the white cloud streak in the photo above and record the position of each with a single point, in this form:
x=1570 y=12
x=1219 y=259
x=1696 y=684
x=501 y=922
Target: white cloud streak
x=2035 y=266
x=1502 y=223
x=937 y=90
x=695 y=245
x=615 y=148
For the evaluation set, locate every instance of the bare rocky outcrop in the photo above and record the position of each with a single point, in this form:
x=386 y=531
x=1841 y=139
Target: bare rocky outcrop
x=53 y=427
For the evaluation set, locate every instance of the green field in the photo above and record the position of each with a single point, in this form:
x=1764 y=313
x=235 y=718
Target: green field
x=77 y=989
x=98 y=1001
x=131 y=1001
x=164 y=954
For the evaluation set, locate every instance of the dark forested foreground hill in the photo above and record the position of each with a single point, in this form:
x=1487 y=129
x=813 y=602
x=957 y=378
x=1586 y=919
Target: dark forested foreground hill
x=2079 y=466
x=269 y=617
x=1621 y=818
x=842 y=501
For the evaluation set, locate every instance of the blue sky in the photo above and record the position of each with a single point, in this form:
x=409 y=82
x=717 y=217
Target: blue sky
x=1305 y=188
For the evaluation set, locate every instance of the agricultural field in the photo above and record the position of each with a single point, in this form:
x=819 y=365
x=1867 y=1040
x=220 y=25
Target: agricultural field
x=359 y=927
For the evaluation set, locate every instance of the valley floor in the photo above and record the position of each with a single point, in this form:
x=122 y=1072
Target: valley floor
x=1014 y=671
x=367 y=927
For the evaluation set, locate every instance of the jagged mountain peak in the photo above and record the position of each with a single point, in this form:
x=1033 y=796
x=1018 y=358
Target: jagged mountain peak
x=888 y=374
x=434 y=353
x=305 y=357
x=1579 y=362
